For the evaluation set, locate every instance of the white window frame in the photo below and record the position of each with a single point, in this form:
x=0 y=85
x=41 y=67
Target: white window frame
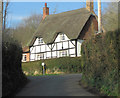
x=25 y=58
x=62 y=37
x=42 y=56
x=63 y=53
x=40 y=40
x=38 y=57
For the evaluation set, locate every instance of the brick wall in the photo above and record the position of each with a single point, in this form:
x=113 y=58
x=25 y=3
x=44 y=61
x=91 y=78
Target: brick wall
x=90 y=28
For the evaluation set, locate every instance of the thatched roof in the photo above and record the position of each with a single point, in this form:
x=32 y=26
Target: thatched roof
x=71 y=23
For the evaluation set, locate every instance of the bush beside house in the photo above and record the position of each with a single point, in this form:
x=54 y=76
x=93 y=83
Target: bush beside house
x=56 y=65
x=12 y=75
x=100 y=62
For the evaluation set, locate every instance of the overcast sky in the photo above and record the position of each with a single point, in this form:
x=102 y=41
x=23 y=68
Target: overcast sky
x=21 y=10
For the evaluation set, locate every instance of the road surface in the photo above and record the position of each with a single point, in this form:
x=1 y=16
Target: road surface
x=56 y=85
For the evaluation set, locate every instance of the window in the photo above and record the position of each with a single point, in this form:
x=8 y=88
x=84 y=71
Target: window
x=25 y=57
x=63 y=53
x=40 y=56
x=40 y=40
x=62 y=36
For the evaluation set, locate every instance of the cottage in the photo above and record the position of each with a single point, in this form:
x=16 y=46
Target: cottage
x=62 y=34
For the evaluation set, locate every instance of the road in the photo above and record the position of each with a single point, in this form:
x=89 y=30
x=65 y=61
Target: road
x=56 y=85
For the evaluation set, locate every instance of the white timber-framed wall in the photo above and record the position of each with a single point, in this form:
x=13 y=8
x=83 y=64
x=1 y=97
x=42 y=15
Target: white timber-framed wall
x=61 y=47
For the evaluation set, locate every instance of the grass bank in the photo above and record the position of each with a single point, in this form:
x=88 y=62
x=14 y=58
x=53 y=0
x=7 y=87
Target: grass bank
x=54 y=66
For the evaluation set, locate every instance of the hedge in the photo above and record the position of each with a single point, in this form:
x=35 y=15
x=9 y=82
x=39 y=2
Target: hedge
x=63 y=64
x=100 y=62
x=12 y=75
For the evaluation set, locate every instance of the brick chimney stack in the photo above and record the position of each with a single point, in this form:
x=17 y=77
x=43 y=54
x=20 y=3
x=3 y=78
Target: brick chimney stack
x=45 y=11
x=90 y=5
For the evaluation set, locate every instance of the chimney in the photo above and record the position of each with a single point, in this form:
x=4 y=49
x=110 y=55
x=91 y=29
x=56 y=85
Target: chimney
x=99 y=17
x=90 y=5
x=45 y=11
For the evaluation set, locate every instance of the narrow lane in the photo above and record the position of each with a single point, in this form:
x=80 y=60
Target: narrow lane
x=57 y=85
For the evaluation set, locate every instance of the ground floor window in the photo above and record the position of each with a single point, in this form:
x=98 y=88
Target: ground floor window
x=40 y=56
x=24 y=57
x=63 y=53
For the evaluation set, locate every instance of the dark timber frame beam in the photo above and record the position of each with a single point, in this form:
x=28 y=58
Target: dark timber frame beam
x=76 y=47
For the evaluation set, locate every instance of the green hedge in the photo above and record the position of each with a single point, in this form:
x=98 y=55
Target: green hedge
x=65 y=64
x=12 y=75
x=100 y=62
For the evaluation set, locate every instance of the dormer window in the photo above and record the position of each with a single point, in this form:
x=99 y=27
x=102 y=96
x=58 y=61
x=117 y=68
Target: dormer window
x=62 y=36
x=40 y=40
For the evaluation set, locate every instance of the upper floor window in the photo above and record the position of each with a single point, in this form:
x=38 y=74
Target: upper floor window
x=40 y=40
x=62 y=37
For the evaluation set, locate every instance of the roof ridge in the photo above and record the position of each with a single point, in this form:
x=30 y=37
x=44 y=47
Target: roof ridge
x=67 y=12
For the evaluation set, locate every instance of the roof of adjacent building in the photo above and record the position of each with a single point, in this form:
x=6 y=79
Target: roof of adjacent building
x=70 y=23
x=25 y=49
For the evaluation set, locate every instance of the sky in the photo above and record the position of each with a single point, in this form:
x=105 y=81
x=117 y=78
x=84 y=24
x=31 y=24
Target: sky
x=20 y=10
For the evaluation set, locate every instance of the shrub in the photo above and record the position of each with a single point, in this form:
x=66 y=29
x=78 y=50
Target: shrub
x=12 y=75
x=65 y=64
x=100 y=62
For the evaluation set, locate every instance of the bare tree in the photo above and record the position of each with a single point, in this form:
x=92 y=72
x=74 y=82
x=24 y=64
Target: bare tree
x=5 y=12
x=110 y=16
x=26 y=29
x=1 y=15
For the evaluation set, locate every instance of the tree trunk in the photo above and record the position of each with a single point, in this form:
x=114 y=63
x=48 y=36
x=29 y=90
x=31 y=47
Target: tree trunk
x=5 y=15
x=1 y=15
x=99 y=17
